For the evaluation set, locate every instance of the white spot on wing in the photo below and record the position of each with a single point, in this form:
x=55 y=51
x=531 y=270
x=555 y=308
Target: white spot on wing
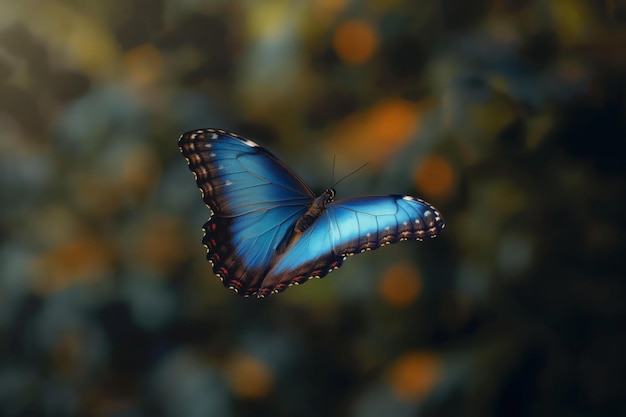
x=250 y=143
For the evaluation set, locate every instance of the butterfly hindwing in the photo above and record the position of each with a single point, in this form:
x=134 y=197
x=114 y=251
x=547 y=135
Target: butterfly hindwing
x=254 y=200
x=348 y=227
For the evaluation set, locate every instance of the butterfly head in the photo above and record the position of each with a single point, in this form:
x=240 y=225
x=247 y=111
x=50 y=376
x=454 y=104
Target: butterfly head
x=330 y=195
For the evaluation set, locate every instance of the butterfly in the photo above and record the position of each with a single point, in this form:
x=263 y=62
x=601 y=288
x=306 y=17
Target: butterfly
x=268 y=231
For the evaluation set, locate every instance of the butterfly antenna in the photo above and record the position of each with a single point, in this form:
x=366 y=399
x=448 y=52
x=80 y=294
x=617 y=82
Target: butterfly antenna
x=350 y=174
x=332 y=178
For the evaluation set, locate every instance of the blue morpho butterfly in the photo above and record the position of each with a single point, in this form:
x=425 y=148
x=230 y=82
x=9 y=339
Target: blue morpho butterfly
x=268 y=230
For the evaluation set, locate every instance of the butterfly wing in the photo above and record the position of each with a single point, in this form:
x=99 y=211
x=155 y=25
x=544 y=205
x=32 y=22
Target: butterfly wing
x=254 y=200
x=351 y=226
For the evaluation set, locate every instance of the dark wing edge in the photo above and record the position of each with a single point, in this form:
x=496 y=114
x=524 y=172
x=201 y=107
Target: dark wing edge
x=428 y=225
x=316 y=269
x=245 y=281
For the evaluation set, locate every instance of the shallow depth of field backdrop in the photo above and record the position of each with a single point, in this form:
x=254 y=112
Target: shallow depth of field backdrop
x=509 y=116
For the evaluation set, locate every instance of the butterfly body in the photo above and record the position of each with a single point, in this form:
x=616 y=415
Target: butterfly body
x=314 y=211
x=268 y=230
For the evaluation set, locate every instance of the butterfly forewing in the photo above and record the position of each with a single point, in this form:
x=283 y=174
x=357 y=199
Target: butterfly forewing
x=254 y=199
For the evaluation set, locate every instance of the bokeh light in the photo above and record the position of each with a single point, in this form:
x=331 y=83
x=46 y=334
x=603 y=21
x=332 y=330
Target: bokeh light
x=400 y=284
x=414 y=374
x=144 y=64
x=355 y=41
x=249 y=378
x=377 y=133
x=434 y=177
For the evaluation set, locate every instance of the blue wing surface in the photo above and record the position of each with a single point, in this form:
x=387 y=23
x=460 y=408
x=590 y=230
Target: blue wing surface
x=254 y=200
x=347 y=227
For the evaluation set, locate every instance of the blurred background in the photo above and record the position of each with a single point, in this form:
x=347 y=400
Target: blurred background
x=509 y=116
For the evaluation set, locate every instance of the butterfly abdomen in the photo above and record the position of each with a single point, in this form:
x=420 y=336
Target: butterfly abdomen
x=308 y=218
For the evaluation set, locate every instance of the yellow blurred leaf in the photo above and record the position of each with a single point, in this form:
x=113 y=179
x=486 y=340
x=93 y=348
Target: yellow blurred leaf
x=82 y=259
x=76 y=37
x=574 y=21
